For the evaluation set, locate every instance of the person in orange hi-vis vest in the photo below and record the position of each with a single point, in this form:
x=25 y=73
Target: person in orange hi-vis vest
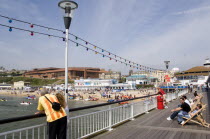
x=56 y=119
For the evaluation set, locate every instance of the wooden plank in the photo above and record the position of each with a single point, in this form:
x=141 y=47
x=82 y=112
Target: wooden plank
x=154 y=126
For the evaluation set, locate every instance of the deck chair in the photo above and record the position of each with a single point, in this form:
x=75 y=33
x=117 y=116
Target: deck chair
x=193 y=106
x=199 y=119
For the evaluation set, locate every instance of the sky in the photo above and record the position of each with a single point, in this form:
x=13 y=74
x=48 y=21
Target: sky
x=147 y=32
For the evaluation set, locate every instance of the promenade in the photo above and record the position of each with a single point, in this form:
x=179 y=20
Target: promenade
x=155 y=126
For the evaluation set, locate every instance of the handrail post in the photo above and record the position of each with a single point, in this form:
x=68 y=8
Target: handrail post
x=110 y=119
x=177 y=93
x=146 y=106
x=132 y=117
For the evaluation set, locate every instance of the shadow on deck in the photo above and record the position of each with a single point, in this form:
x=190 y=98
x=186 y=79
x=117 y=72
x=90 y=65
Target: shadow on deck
x=155 y=126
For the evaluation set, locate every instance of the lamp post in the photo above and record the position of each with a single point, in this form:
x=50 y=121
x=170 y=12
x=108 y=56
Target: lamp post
x=68 y=7
x=167 y=65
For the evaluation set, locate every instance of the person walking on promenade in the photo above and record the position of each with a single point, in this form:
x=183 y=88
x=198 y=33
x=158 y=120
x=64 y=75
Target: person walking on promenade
x=56 y=119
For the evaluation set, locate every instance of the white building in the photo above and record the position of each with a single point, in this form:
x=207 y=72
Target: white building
x=5 y=86
x=20 y=84
x=196 y=76
x=91 y=84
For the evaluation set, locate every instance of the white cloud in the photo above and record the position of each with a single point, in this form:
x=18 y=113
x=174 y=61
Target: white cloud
x=185 y=44
x=194 y=10
x=139 y=30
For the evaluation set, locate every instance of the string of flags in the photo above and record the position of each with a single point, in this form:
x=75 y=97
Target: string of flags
x=97 y=50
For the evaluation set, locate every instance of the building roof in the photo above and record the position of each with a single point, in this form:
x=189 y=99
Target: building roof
x=198 y=69
x=53 y=70
x=193 y=74
x=137 y=76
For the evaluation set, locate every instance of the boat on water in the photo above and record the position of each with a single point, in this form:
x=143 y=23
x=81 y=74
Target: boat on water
x=25 y=103
x=3 y=99
x=33 y=97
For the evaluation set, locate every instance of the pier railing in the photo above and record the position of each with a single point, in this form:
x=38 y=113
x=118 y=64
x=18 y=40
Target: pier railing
x=88 y=124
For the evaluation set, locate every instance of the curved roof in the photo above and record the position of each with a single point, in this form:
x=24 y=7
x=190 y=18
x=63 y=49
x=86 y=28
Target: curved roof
x=198 y=69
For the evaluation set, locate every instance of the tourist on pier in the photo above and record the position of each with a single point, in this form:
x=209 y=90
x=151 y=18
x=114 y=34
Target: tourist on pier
x=163 y=94
x=186 y=100
x=180 y=115
x=61 y=99
x=56 y=119
x=182 y=110
x=197 y=97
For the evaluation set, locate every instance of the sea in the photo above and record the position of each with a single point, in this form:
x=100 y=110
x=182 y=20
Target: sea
x=12 y=108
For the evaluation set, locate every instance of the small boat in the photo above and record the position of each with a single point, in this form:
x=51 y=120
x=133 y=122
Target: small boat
x=3 y=99
x=31 y=97
x=25 y=103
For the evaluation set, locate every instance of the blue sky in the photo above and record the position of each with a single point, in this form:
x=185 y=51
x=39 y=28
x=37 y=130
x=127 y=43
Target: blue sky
x=144 y=31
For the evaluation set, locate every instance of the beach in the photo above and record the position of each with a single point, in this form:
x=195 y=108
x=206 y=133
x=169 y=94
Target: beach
x=102 y=96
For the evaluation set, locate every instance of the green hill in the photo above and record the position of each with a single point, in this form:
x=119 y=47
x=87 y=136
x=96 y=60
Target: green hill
x=33 y=81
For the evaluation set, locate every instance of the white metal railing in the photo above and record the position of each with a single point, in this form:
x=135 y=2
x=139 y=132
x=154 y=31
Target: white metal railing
x=88 y=124
x=32 y=132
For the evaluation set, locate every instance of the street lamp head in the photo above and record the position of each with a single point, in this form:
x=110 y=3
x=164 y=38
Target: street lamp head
x=167 y=64
x=68 y=7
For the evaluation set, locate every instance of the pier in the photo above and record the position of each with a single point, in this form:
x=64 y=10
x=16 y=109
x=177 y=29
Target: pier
x=155 y=126
x=134 y=120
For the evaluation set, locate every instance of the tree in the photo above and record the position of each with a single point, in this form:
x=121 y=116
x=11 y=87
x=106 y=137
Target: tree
x=122 y=80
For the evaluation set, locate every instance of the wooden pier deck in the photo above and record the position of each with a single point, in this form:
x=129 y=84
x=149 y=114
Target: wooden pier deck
x=154 y=125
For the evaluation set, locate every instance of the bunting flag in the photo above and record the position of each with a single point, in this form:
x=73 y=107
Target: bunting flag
x=111 y=55
x=10 y=29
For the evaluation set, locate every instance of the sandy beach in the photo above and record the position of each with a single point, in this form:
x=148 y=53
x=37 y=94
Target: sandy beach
x=85 y=94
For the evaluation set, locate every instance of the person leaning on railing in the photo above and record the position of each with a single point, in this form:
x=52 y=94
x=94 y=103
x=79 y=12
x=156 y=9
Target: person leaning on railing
x=56 y=119
x=162 y=93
